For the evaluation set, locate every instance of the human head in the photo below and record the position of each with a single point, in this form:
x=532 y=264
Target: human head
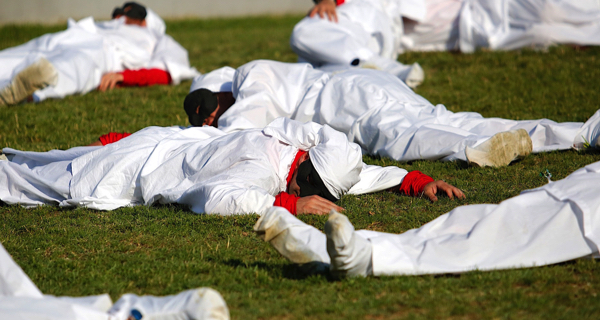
x=134 y=13
x=306 y=181
x=337 y=161
x=200 y=105
x=205 y=107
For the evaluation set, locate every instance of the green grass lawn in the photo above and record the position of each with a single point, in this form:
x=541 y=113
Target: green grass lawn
x=162 y=250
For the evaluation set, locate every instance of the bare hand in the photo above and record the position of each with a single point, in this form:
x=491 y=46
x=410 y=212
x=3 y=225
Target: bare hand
x=110 y=80
x=432 y=188
x=324 y=8
x=315 y=205
x=96 y=143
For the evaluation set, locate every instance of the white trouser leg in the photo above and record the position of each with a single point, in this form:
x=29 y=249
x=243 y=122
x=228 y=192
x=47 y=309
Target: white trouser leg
x=441 y=134
x=297 y=241
x=202 y=303
x=77 y=73
x=529 y=230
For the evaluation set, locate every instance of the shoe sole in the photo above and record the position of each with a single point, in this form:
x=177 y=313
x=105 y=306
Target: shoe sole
x=36 y=76
x=502 y=149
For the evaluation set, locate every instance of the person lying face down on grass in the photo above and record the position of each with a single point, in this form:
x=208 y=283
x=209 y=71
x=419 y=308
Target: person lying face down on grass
x=20 y=298
x=302 y=167
x=130 y=50
x=375 y=110
x=360 y=31
x=554 y=223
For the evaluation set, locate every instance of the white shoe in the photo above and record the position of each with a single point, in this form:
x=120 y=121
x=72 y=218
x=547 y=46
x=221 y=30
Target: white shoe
x=38 y=75
x=501 y=149
x=295 y=240
x=415 y=76
x=350 y=253
x=589 y=133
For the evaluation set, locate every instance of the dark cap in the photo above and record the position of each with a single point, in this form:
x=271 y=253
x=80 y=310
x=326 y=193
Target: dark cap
x=134 y=10
x=199 y=104
x=310 y=182
x=117 y=12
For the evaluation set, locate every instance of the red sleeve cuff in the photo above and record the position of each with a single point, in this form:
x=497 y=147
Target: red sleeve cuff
x=112 y=137
x=145 y=77
x=286 y=200
x=414 y=183
x=339 y=2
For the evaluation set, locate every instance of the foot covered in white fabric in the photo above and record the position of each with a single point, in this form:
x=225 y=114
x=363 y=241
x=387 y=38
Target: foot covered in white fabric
x=501 y=149
x=350 y=253
x=36 y=76
x=414 y=76
x=589 y=134
x=298 y=242
x=206 y=303
x=201 y=303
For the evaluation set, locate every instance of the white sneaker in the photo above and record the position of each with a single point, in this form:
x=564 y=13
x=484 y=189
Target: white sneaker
x=350 y=253
x=501 y=149
x=295 y=240
x=38 y=75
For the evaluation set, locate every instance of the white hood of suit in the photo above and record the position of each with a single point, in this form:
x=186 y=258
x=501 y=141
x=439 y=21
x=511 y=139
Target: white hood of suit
x=338 y=161
x=219 y=80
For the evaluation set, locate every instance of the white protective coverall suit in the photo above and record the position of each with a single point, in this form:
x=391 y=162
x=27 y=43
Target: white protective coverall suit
x=20 y=299
x=554 y=223
x=202 y=167
x=368 y=28
x=365 y=33
x=374 y=109
x=87 y=50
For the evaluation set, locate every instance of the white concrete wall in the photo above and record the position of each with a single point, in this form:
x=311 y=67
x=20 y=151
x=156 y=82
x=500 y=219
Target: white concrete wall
x=53 y=11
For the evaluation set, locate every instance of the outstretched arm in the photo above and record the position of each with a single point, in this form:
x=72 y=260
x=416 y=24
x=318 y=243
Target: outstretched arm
x=416 y=183
x=130 y=78
x=324 y=8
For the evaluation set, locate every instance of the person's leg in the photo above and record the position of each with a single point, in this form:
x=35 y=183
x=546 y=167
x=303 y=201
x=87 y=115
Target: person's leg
x=78 y=72
x=404 y=133
x=36 y=76
x=297 y=241
x=543 y=226
x=349 y=252
x=201 y=303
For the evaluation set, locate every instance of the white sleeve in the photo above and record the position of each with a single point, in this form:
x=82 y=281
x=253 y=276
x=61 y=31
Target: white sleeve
x=227 y=198
x=376 y=178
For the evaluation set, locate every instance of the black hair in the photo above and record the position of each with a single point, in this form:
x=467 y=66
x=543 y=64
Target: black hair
x=310 y=182
x=198 y=105
x=136 y=10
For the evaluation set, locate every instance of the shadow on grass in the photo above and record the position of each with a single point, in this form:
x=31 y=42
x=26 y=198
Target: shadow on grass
x=289 y=271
